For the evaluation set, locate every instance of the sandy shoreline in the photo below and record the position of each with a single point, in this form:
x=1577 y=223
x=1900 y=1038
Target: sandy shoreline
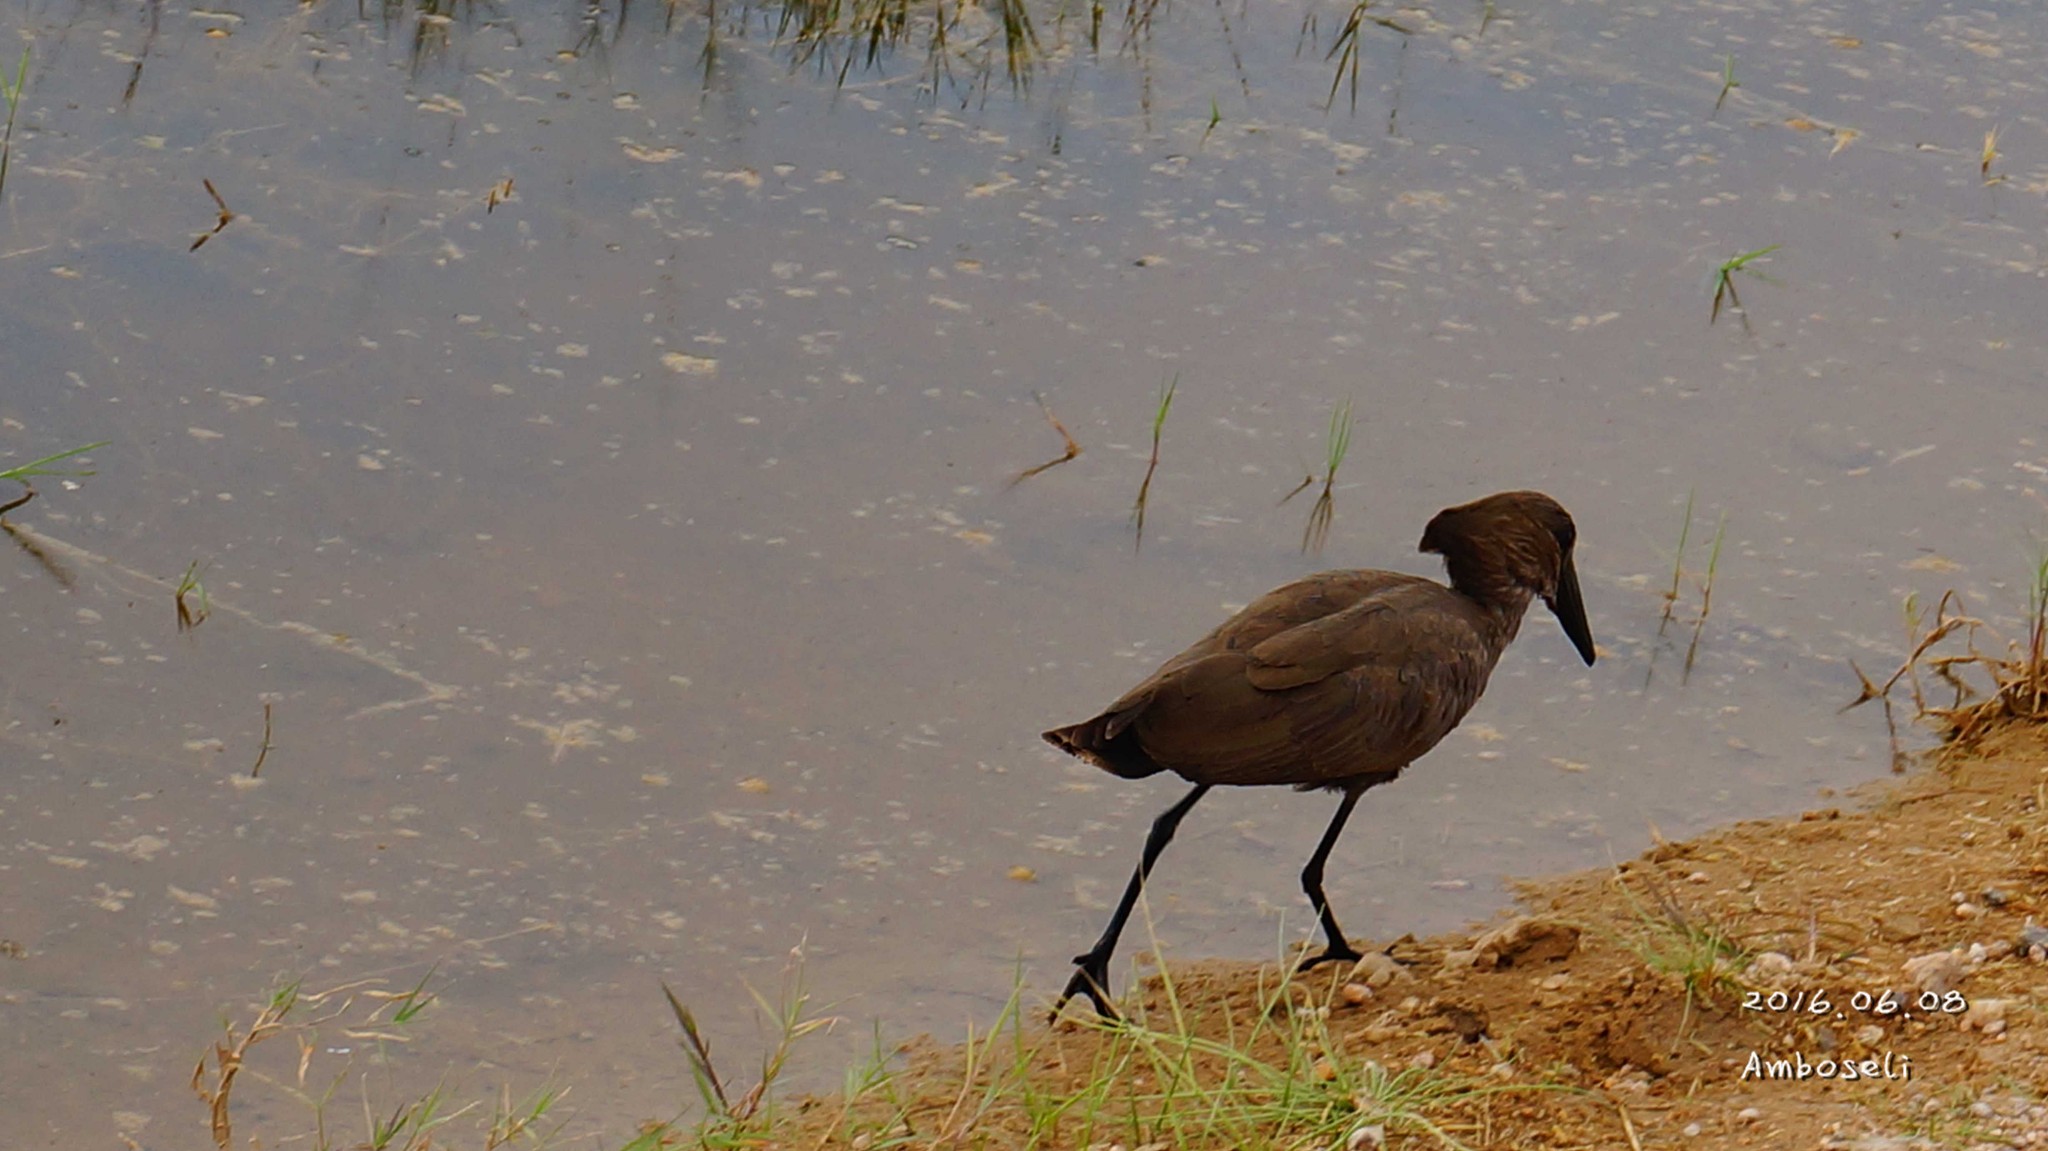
x=1856 y=976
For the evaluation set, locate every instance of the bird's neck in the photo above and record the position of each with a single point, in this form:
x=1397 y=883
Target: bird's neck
x=1501 y=600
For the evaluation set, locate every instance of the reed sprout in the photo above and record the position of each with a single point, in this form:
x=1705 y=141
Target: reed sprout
x=1728 y=82
x=1724 y=282
x=1165 y=404
x=1325 y=510
x=10 y=93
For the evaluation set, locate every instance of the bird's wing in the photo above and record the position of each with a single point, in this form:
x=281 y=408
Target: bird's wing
x=1360 y=635
x=1361 y=690
x=1292 y=605
x=1279 y=611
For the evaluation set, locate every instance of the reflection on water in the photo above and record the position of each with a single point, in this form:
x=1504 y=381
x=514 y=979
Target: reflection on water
x=597 y=458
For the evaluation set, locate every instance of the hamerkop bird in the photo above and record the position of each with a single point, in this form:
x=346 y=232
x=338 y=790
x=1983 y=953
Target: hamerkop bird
x=1337 y=681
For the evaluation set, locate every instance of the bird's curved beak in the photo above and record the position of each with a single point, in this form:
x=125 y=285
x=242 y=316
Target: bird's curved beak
x=1570 y=609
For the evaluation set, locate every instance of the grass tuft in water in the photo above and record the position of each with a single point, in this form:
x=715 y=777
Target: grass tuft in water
x=835 y=35
x=22 y=473
x=1677 y=565
x=1728 y=82
x=11 y=95
x=731 y=1122
x=1699 y=622
x=1166 y=393
x=1988 y=156
x=419 y=1121
x=1672 y=594
x=22 y=537
x=191 y=599
x=231 y=1054
x=411 y=1124
x=1724 y=283
x=407 y=1006
x=1345 y=50
x=1319 y=517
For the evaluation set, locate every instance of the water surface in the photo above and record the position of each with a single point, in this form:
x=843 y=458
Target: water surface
x=630 y=562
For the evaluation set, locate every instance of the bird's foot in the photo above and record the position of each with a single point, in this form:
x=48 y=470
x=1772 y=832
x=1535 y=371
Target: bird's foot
x=1339 y=950
x=1091 y=978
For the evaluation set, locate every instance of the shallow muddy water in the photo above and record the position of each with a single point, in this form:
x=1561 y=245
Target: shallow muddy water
x=629 y=559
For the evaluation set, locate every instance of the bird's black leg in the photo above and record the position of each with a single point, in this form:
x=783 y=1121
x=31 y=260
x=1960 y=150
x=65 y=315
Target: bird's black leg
x=1312 y=883
x=1091 y=977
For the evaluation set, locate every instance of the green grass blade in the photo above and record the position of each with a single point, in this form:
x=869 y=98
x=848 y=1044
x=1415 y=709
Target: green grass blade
x=42 y=467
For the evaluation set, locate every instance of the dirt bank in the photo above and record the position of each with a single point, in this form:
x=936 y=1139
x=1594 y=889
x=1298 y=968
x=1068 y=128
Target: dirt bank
x=1859 y=976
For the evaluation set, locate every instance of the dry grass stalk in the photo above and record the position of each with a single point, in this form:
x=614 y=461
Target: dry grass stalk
x=230 y=1054
x=1073 y=449
x=228 y=1057
x=226 y=217
x=2018 y=691
x=792 y=1021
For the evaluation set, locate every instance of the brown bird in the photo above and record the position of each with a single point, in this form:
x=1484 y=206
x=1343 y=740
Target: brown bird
x=1336 y=681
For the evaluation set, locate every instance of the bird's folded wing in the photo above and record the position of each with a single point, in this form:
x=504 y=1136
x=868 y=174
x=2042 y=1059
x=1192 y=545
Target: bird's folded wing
x=1359 y=636
x=1364 y=689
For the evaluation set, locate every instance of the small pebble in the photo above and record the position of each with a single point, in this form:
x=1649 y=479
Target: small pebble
x=1985 y=1015
x=1424 y=1060
x=1355 y=993
x=1902 y=927
x=1937 y=971
x=1691 y=1130
x=1749 y=1114
x=1371 y=1135
x=1771 y=963
x=1378 y=970
x=1968 y=911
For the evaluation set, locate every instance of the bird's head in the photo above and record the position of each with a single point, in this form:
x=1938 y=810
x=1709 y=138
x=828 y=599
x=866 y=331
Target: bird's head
x=1508 y=546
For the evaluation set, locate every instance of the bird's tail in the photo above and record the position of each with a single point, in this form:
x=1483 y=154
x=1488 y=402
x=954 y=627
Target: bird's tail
x=1107 y=742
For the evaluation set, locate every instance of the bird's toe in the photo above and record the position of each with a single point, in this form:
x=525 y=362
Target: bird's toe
x=1091 y=978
